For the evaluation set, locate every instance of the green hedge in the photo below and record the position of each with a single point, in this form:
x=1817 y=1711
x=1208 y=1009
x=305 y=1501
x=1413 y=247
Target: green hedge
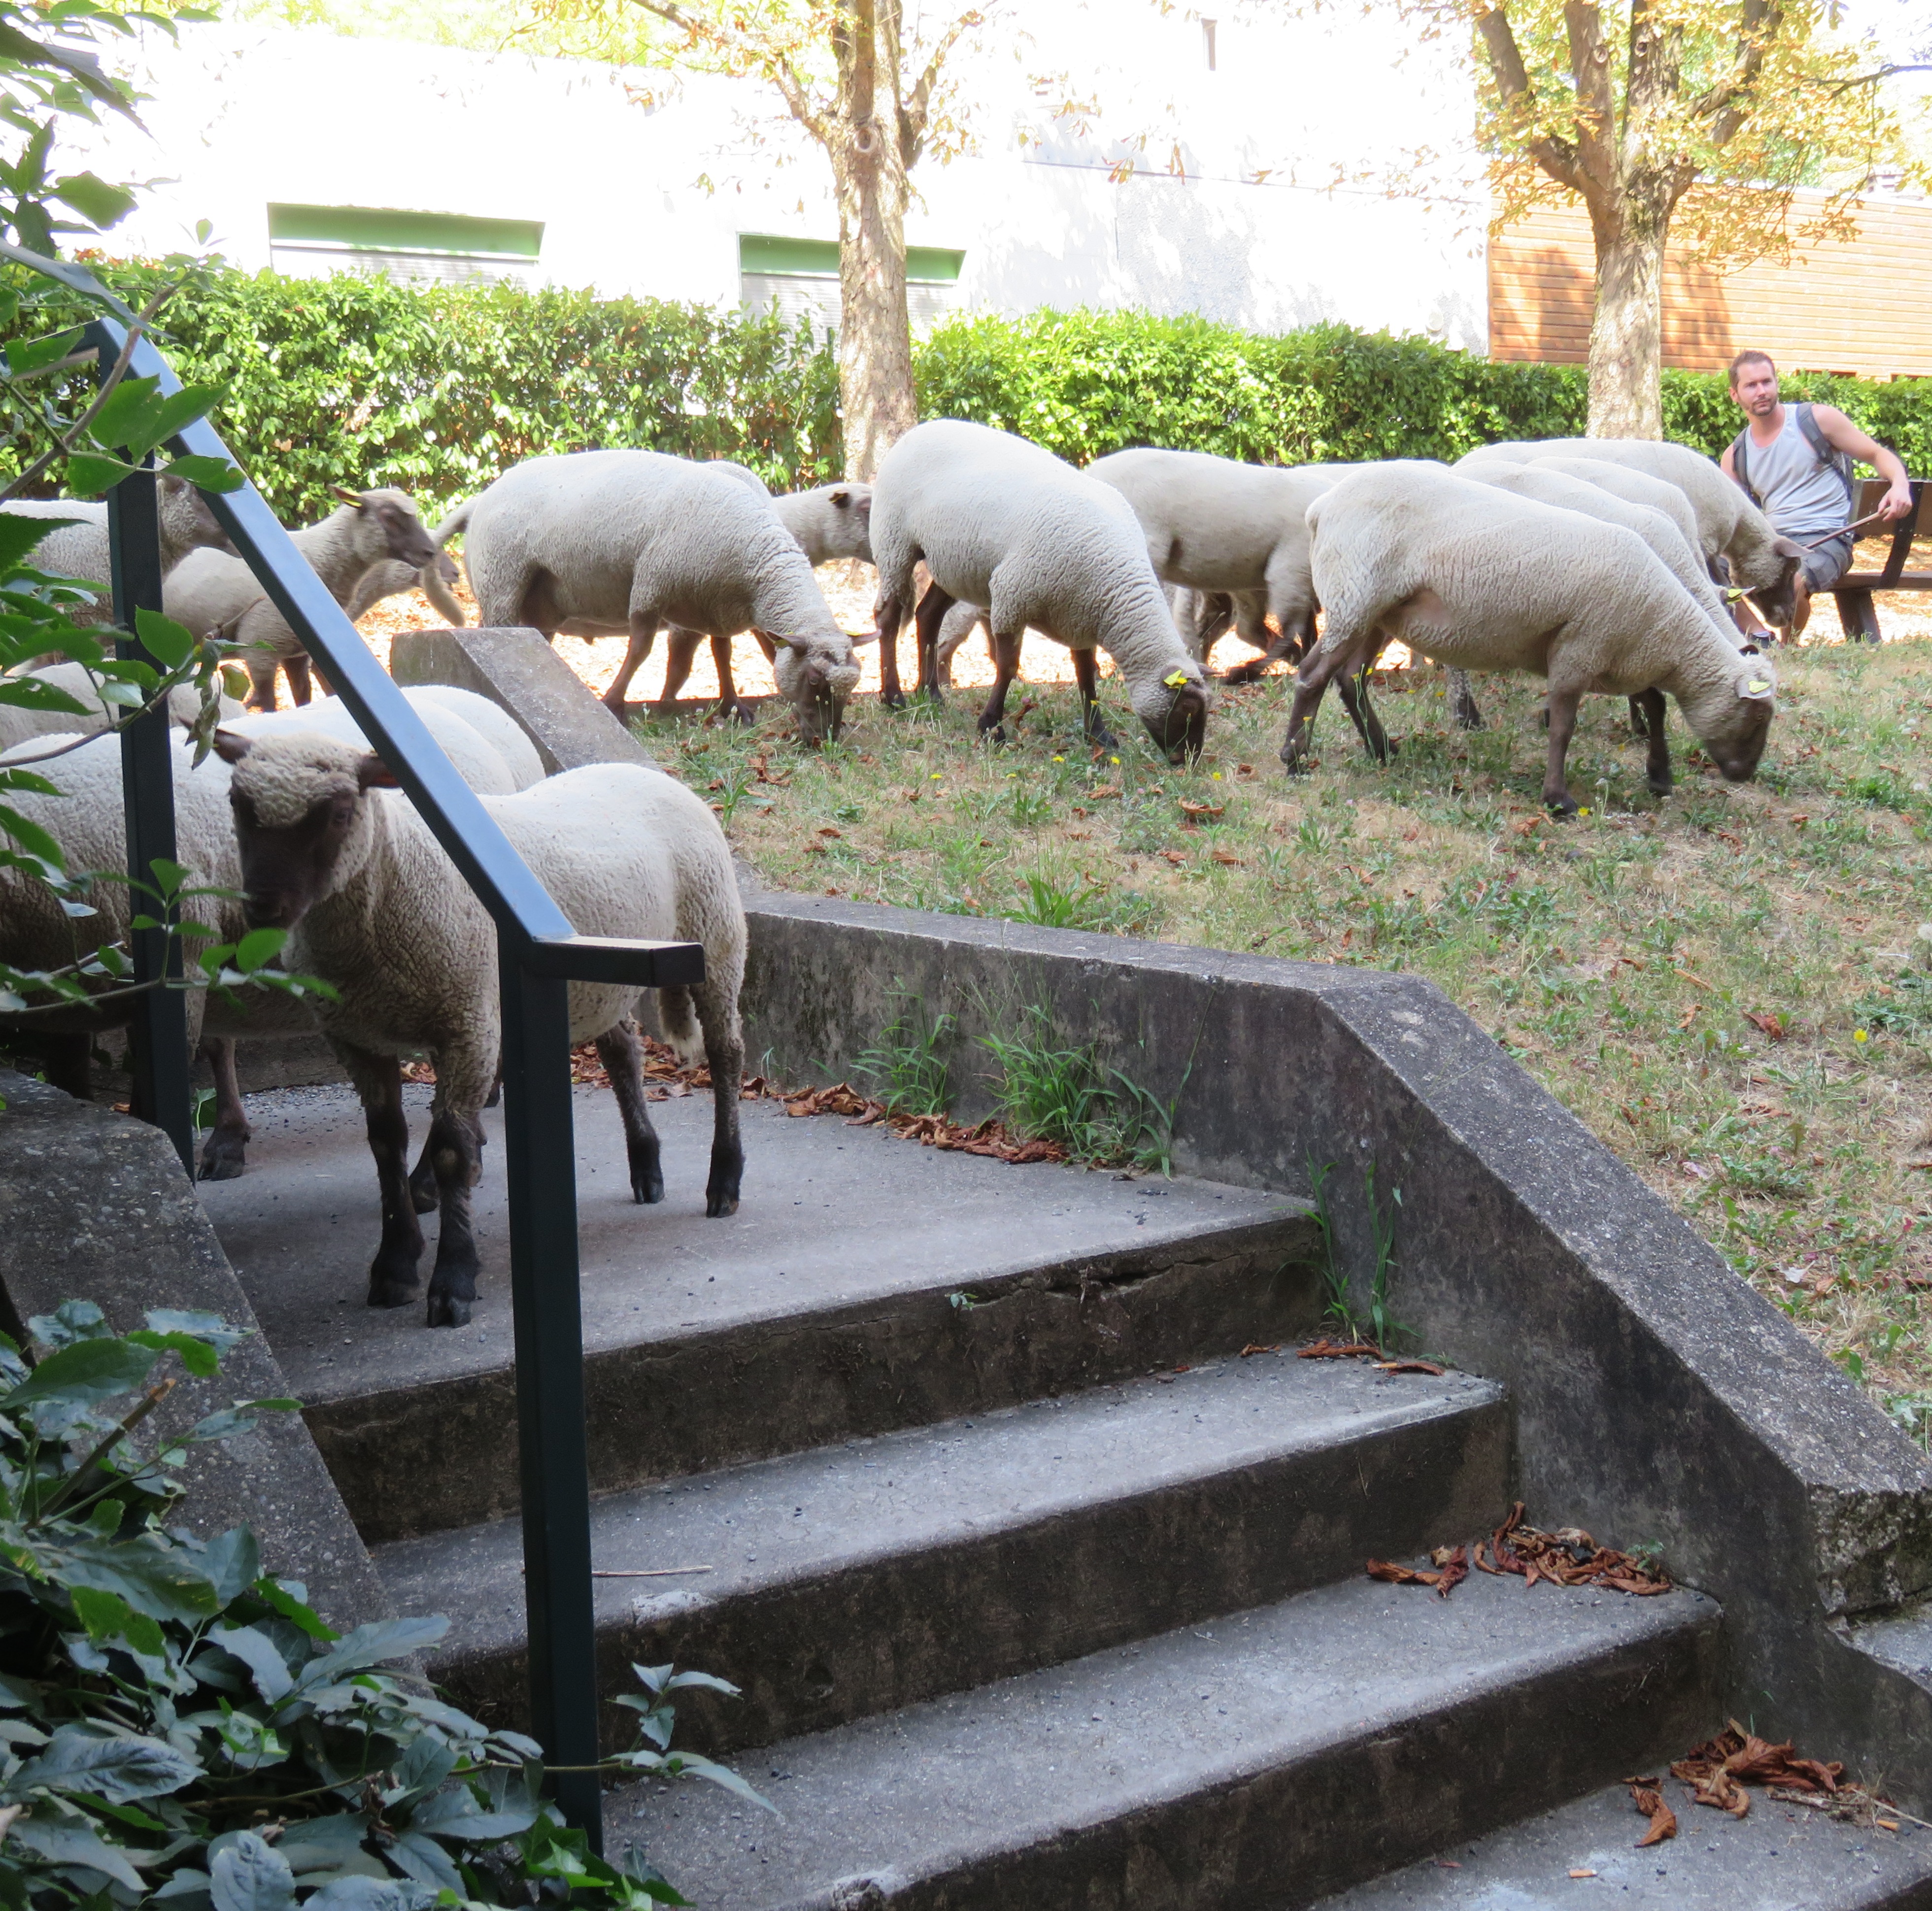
x=360 y=381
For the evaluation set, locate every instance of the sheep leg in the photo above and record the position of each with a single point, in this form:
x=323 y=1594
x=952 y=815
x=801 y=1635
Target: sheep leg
x=724 y=1055
x=423 y=1195
x=1638 y=729
x=393 y=1279
x=1463 y=710
x=1086 y=675
x=1355 y=689
x=730 y=704
x=454 y=1148
x=890 y=615
x=67 y=1061
x=1005 y=666
x=1562 y=727
x=926 y=621
x=623 y=1055
x=1334 y=656
x=262 y=681
x=296 y=669
x=223 y=1154
x=680 y=648
x=1657 y=768
x=643 y=634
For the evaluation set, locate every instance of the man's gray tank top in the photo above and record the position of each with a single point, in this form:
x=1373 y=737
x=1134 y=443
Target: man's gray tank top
x=1803 y=497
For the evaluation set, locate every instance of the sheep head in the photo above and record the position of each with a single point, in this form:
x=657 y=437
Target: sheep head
x=1776 y=596
x=1174 y=711
x=1733 y=723
x=815 y=676
x=297 y=801
x=394 y=529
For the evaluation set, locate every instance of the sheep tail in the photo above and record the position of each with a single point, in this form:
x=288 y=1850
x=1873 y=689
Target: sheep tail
x=677 y=1010
x=429 y=578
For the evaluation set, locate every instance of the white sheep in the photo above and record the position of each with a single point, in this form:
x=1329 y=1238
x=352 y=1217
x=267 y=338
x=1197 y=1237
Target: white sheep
x=209 y=591
x=1000 y=523
x=16 y=724
x=88 y=821
x=489 y=751
x=624 y=541
x=827 y=523
x=378 y=910
x=1215 y=525
x=1729 y=525
x=82 y=551
x=1480 y=580
x=392 y=576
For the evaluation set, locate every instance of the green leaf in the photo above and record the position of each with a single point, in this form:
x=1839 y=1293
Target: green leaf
x=200 y=1359
x=251 y=1876
x=89 y=472
x=201 y=1322
x=19 y=535
x=258 y=949
x=33 y=693
x=85 y=1371
x=99 y=204
x=120 y=417
x=207 y=474
x=155 y=1576
x=374 y=1644
x=105 y=1615
x=170 y=644
x=117 y=1769
x=258 y=1652
x=176 y=413
x=71 y=1320
x=36 y=354
x=32 y=837
x=233 y=1561
x=272 y=1593
x=74 y=1841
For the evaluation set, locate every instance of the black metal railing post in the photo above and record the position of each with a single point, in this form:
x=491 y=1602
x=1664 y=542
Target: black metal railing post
x=540 y=1161
x=158 y=1057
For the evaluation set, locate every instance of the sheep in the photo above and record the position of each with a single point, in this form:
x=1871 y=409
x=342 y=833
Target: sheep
x=1480 y=579
x=81 y=550
x=88 y=822
x=392 y=576
x=830 y=522
x=376 y=909
x=491 y=753
x=604 y=541
x=1729 y=525
x=17 y=725
x=1547 y=484
x=1001 y=523
x=208 y=591
x=1214 y=525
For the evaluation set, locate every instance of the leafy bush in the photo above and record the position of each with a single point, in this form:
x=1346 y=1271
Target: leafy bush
x=438 y=389
x=177 y=1727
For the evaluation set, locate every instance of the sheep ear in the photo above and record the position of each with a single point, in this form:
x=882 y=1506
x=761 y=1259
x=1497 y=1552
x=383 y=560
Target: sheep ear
x=373 y=773
x=859 y=638
x=349 y=497
x=230 y=748
x=1759 y=687
x=1784 y=548
x=800 y=644
x=841 y=497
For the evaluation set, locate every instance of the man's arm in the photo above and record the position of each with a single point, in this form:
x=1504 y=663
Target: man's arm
x=1841 y=432
x=1725 y=461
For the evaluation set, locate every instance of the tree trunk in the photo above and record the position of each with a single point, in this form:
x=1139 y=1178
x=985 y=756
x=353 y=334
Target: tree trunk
x=1627 y=326
x=875 y=388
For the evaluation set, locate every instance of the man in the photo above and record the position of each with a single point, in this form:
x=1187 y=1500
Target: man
x=1794 y=462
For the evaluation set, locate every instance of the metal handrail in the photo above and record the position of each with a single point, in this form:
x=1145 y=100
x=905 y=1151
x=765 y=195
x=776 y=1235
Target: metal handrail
x=539 y=953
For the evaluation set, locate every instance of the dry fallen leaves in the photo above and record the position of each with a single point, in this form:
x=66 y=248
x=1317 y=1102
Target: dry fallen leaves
x=1569 y=1556
x=1768 y=1023
x=1337 y=1350
x=1716 y=1770
x=1649 y=1800
x=1451 y=1565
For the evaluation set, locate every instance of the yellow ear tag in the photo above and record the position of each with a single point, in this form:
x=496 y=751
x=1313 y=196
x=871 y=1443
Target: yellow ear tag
x=1757 y=686
x=1175 y=679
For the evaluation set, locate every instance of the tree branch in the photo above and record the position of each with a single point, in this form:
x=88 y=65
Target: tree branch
x=1555 y=154
x=1759 y=25
x=916 y=114
x=1870 y=79
x=1596 y=102
x=760 y=53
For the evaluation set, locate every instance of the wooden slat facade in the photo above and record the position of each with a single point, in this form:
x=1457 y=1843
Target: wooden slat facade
x=1863 y=307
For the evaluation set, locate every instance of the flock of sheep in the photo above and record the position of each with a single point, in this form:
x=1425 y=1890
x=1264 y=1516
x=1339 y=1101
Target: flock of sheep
x=1588 y=563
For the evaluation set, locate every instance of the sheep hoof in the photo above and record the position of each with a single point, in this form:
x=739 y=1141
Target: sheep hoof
x=1564 y=805
x=393 y=1291
x=423 y=1197
x=719 y=1204
x=647 y=1190
x=893 y=700
x=222 y=1164
x=446 y=1310
x=1660 y=786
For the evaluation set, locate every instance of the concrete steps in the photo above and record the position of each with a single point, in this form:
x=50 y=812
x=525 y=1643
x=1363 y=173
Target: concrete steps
x=1259 y=1760
x=1040 y=1588
x=849 y=1580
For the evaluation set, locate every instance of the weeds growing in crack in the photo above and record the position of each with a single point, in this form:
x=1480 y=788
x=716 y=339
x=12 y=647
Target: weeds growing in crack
x=911 y=1068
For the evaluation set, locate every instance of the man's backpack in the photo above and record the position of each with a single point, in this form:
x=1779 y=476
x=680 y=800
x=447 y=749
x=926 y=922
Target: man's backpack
x=1814 y=434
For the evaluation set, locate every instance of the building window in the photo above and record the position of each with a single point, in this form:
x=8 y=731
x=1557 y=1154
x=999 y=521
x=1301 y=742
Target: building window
x=419 y=248
x=1207 y=41
x=800 y=277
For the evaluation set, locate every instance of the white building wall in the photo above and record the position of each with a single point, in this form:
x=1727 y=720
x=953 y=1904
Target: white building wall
x=1267 y=220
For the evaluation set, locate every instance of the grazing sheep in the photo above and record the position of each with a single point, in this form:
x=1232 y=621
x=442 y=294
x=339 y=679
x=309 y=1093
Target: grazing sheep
x=1001 y=523
x=1480 y=580
x=17 y=725
x=88 y=821
x=609 y=541
x=1729 y=525
x=830 y=522
x=1215 y=525
x=208 y=591
x=392 y=576
x=81 y=550
x=379 y=911
x=489 y=752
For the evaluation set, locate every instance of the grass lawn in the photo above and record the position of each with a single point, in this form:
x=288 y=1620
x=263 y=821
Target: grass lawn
x=1725 y=985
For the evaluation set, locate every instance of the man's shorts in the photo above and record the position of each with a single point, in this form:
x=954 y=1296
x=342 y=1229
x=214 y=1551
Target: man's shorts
x=1826 y=565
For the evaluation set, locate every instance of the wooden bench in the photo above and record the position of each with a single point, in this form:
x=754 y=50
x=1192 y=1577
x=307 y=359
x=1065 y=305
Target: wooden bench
x=1854 y=589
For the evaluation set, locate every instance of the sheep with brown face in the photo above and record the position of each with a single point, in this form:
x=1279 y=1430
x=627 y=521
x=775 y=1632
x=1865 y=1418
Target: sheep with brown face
x=208 y=591
x=609 y=543
x=332 y=852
